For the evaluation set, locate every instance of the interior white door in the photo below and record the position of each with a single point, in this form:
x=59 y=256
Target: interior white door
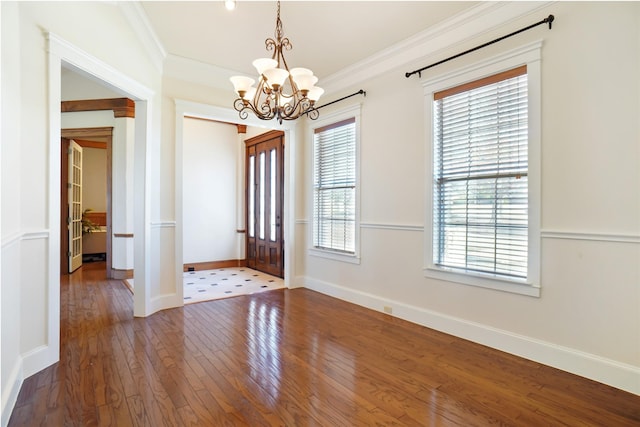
x=74 y=220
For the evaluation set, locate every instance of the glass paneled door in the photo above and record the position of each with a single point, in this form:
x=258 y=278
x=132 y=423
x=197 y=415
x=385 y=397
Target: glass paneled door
x=265 y=172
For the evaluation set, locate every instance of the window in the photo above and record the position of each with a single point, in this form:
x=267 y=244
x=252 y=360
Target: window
x=334 y=187
x=480 y=220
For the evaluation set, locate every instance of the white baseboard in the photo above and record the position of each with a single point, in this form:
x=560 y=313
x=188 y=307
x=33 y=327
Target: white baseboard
x=38 y=359
x=297 y=282
x=163 y=302
x=623 y=376
x=11 y=390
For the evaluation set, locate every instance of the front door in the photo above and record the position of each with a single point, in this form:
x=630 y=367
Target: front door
x=264 y=192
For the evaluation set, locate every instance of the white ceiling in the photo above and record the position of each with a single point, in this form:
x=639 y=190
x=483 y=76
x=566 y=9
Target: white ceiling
x=327 y=36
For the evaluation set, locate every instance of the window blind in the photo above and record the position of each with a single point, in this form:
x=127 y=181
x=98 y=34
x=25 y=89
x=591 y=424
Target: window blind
x=335 y=187
x=480 y=176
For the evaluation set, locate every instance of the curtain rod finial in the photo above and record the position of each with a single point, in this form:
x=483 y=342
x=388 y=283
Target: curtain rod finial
x=550 y=19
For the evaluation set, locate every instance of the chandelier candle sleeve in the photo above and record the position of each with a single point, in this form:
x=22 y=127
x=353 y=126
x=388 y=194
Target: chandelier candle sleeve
x=281 y=93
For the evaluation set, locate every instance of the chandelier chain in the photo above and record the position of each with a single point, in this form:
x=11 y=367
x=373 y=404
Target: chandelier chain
x=278 y=33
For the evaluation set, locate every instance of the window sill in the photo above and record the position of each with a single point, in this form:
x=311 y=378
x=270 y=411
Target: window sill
x=334 y=255
x=484 y=281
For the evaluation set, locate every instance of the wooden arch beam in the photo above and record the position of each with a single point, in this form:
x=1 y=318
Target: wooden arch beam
x=121 y=107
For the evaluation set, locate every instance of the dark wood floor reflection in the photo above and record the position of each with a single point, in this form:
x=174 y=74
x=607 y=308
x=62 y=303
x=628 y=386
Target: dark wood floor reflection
x=288 y=358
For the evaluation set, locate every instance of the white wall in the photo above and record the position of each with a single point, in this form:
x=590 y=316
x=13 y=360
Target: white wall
x=587 y=319
x=94 y=179
x=209 y=191
x=11 y=373
x=76 y=87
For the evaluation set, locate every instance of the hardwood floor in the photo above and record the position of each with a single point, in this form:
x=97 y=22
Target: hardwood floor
x=288 y=358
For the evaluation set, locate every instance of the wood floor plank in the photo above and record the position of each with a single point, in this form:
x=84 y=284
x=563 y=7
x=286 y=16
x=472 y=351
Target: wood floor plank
x=288 y=358
x=138 y=414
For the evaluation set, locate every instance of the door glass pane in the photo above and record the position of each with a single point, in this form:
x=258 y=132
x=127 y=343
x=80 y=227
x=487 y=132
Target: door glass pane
x=272 y=212
x=262 y=207
x=252 y=197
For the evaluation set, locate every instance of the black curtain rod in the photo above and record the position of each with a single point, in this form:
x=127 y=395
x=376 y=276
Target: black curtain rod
x=547 y=20
x=360 y=92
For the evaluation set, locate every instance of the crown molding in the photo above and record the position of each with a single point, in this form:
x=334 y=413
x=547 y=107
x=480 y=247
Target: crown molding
x=462 y=27
x=137 y=18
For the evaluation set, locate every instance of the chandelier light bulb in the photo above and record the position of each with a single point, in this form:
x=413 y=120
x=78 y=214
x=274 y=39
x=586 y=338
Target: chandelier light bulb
x=230 y=4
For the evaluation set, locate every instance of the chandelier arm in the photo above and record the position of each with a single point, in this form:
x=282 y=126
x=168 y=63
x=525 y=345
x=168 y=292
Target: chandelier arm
x=262 y=108
x=300 y=107
x=287 y=45
x=241 y=108
x=263 y=99
x=264 y=112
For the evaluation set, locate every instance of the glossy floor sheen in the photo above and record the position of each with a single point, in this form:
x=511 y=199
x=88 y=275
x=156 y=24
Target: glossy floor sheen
x=288 y=358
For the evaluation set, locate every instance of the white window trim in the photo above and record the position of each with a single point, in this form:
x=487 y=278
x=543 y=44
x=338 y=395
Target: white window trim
x=347 y=113
x=530 y=55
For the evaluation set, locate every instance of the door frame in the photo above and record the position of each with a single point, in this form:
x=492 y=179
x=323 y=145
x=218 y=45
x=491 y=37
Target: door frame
x=85 y=136
x=61 y=53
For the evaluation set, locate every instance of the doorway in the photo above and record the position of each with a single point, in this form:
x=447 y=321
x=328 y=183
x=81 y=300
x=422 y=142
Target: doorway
x=264 y=165
x=92 y=138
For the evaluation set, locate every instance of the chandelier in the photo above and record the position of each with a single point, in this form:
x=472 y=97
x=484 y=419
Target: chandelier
x=281 y=93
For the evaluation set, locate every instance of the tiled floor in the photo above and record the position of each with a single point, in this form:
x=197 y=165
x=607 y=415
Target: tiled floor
x=226 y=282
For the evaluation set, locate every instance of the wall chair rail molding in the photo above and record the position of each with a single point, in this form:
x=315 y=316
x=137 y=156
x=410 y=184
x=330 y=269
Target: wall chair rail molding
x=591 y=236
x=397 y=227
x=16 y=237
x=163 y=224
x=11 y=239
